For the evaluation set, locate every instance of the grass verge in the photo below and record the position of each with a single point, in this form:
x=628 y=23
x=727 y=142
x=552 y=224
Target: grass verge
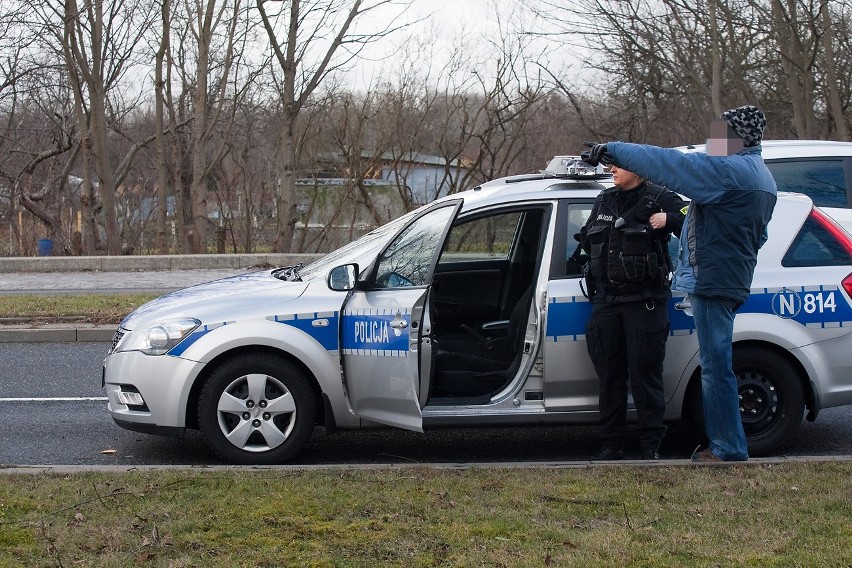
x=794 y=514
x=93 y=308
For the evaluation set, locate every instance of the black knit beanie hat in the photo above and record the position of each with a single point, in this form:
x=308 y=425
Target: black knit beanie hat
x=747 y=122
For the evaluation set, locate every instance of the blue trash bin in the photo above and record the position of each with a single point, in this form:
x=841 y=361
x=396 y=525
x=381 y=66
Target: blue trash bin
x=45 y=247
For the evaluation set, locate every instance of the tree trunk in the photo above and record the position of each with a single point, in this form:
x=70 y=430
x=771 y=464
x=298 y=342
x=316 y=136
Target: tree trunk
x=162 y=242
x=92 y=76
x=89 y=234
x=288 y=212
x=198 y=187
x=796 y=65
x=715 y=42
x=835 y=106
x=100 y=149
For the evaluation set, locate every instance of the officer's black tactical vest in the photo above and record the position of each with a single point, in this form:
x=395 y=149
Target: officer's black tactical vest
x=627 y=259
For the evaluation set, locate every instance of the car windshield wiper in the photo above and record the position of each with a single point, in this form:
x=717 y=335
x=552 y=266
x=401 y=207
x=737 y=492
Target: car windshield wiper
x=290 y=273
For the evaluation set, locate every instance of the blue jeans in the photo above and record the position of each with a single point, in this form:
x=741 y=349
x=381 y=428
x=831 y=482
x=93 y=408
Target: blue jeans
x=714 y=322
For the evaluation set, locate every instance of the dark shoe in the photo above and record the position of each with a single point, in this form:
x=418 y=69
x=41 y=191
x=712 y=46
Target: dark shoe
x=706 y=456
x=650 y=454
x=608 y=453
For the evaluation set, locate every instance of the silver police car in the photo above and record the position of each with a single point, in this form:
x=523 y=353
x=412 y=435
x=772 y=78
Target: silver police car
x=468 y=311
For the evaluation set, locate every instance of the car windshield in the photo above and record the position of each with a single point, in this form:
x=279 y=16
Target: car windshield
x=372 y=241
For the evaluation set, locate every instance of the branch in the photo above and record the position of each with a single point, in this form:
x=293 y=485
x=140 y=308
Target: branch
x=124 y=167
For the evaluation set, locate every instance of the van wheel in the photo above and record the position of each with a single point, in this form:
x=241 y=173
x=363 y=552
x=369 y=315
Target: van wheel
x=257 y=408
x=772 y=401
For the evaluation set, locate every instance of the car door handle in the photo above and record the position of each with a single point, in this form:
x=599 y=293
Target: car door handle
x=398 y=322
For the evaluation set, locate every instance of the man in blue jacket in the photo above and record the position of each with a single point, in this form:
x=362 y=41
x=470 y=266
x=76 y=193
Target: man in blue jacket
x=733 y=195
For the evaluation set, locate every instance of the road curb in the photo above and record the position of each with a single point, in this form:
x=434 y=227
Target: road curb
x=135 y=263
x=581 y=464
x=56 y=334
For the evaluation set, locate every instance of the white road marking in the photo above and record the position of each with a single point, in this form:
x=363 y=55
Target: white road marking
x=58 y=399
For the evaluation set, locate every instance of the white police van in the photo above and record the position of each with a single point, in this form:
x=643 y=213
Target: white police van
x=465 y=312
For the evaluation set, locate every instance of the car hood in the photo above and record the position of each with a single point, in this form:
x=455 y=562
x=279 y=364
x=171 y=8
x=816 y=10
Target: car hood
x=217 y=300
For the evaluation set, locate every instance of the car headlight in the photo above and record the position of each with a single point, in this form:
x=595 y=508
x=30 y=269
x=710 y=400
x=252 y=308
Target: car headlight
x=157 y=339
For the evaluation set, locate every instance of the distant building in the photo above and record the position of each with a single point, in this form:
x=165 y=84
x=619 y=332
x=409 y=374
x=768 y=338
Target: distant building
x=424 y=177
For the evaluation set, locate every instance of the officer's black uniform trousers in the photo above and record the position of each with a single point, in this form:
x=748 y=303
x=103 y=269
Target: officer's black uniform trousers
x=627 y=341
x=627 y=330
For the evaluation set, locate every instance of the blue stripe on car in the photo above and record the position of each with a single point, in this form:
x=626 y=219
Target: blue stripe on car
x=200 y=332
x=811 y=306
x=322 y=327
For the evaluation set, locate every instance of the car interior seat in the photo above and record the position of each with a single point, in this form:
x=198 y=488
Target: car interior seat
x=478 y=364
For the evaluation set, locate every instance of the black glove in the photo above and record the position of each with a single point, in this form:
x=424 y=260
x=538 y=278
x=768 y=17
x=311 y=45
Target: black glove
x=597 y=154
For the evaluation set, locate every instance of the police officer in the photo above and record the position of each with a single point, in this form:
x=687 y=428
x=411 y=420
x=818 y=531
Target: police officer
x=626 y=237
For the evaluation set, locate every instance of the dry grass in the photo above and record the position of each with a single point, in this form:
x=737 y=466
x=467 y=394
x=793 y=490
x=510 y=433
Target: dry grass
x=782 y=515
x=93 y=308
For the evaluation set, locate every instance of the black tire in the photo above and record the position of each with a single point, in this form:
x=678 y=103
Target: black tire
x=772 y=401
x=691 y=428
x=257 y=408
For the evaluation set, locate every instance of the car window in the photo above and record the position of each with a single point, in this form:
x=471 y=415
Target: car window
x=486 y=238
x=823 y=180
x=578 y=213
x=815 y=245
x=408 y=259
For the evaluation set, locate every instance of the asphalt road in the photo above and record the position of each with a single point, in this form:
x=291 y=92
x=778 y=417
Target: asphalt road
x=52 y=412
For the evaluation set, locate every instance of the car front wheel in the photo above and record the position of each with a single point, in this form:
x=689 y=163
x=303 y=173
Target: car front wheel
x=257 y=408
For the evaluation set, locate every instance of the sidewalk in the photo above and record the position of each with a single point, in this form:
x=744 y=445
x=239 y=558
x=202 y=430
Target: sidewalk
x=124 y=281
x=104 y=274
x=130 y=263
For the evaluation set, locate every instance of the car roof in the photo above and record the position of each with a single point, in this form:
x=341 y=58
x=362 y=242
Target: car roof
x=790 y=213
x=794 y=207
x=517 y=189
x=781 y=149
x=774 y=149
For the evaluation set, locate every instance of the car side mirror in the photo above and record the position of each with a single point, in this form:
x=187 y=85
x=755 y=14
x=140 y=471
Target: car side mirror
x=343 y=278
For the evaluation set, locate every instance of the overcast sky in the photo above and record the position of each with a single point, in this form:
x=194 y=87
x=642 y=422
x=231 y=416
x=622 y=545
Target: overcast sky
x=446 y=23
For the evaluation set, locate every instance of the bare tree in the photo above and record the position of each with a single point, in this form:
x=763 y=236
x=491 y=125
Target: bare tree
x=99 y=48
x=476 y=111
x=207 y=110
x=306 y=27
x=661 y=60
x=835 y=104
x=798 y=57
x=203 y=67
x=36 y=134
x=163 y=164
x=34 y=197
